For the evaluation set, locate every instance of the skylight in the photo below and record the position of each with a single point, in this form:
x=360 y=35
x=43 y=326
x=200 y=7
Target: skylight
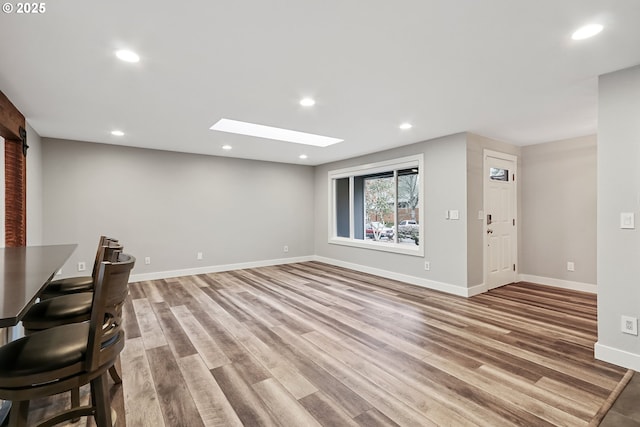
x=268 y=132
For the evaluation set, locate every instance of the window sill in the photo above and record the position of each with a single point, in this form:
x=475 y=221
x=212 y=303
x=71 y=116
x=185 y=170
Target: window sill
x=416 y=250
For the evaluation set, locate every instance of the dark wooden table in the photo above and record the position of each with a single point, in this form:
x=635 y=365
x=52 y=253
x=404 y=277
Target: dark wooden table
x=24 y=272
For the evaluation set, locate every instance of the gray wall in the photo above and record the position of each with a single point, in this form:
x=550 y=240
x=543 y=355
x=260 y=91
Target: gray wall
x=618 y=191
x=445 y=189
x=34 y=187
x=169 y=206
x=559 y=202
x=239 y=211
x=476 y=145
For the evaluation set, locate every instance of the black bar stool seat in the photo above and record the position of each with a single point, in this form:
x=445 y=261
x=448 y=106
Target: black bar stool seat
x=72 y=308
x=33 y=359
x=69 y=285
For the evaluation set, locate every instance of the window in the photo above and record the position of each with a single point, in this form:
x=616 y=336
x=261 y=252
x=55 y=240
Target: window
x=378 y=206
x=497 y=174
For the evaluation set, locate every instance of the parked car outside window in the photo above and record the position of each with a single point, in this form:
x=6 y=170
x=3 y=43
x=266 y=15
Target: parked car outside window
x=409 y=229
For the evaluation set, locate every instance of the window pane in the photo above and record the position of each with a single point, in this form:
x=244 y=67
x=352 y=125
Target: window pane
x=342 y=207
x=408 y=213
x=497 y=174
x=379 y=206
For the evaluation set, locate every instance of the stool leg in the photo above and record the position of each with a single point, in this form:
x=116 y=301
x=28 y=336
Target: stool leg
x=113 y=371
x=19 y=414
x=75 y=401
x=101 y=401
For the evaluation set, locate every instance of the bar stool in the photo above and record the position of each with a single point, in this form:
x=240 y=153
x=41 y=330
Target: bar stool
x=68 y=308
x=65 y=357
x=77 y=284
x=71 y=308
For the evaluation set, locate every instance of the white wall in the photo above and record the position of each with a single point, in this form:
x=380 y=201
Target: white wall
x=445 y=241
x=618 y=191
x=34 y=188
x=169 y=206
x=559 y=203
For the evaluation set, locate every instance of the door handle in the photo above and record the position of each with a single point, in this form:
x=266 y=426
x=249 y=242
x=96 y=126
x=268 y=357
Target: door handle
x=489 y=231
x=489 y=220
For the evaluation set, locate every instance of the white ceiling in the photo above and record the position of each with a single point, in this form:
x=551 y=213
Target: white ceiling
x=506 y=69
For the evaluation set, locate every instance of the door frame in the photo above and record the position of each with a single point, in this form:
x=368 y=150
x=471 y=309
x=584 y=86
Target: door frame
x=514 y=256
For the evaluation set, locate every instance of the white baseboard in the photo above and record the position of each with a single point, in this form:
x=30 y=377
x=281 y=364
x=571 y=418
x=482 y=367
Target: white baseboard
x=617 y=356
x=476 y=290
x=418 y=281
x=559 y=283
x=215 y=268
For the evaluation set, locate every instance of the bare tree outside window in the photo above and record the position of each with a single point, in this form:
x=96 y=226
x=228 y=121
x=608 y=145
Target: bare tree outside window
x=379 y=204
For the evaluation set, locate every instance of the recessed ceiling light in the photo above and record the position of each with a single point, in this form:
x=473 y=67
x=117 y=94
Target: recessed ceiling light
x=405 y=126
x=227 y=147
x=127 y=55
x=307 y=102
x=268 y=132
x=303 y=156
x=117 y=133
x=587 y=31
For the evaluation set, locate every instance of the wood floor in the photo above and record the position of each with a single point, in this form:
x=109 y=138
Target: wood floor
x=311 y=344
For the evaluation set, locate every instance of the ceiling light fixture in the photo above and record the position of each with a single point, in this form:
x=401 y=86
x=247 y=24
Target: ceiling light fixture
x=227 y=147
x=117 y=133
x=268 y=132
x=406 y=126
x=127 y=55
x=303 y=156
x=587 y=31
x=307 y=102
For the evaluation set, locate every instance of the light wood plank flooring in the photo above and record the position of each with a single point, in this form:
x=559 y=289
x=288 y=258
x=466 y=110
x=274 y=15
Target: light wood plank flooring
x=310 y=344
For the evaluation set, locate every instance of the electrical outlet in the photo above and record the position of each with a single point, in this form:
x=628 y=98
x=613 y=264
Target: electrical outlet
x=199 y=255
x=571 y=266
x=427 y=265
x=82 y=266
x=629 y=325
x=286 y=249
x=147 y=260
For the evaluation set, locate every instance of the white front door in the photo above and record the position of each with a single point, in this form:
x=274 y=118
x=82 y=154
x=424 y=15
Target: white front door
x=500 y=207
